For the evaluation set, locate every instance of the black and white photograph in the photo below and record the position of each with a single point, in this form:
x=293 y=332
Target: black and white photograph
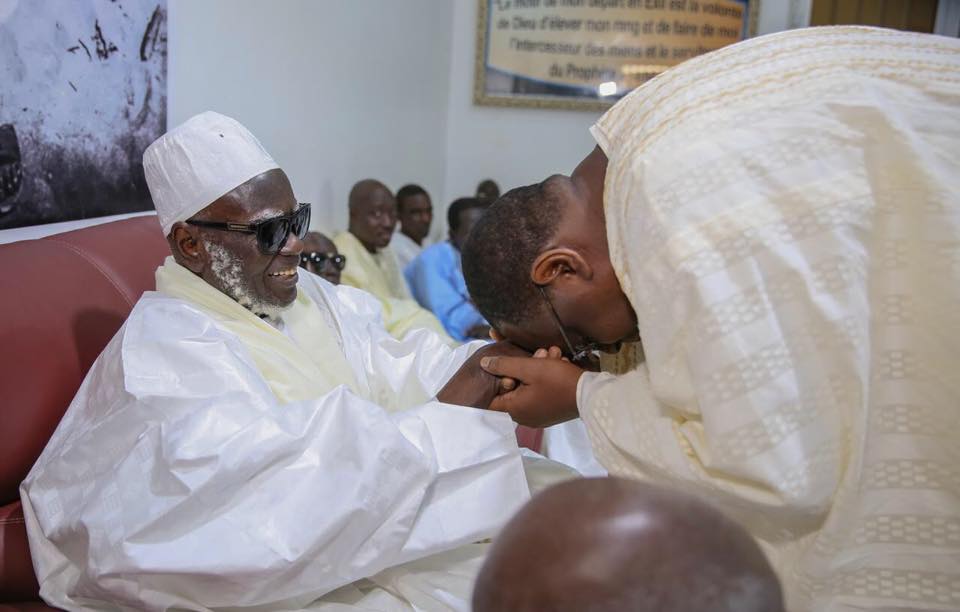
x=82 y=93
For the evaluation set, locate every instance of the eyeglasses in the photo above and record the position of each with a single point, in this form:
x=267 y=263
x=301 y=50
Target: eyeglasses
x=318 y=259
x=271 y=233
x=577 y=353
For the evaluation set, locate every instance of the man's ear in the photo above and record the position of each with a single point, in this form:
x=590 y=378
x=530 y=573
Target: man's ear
x=187 y=247
x=559 y=264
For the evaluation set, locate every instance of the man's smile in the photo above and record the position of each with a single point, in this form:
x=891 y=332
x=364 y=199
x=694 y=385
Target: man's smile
x=290 y=272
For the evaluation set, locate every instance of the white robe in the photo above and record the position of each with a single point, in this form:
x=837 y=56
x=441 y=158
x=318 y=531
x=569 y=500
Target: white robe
x=405 y=249
x=784 y=216
x=178 y=480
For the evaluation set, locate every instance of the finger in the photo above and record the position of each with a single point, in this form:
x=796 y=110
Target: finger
x=507 y=384
x=495 y=335
x=513 y=403
x=503 y=403
x=555 y=352
x=540 y=353
x=520 y=368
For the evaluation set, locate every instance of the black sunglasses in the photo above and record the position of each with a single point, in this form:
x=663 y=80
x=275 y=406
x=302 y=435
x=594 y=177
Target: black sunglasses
x=271 y=233
x=318 y=259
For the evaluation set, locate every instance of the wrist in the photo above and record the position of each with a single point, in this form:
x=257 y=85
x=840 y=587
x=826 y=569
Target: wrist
x=583 y=384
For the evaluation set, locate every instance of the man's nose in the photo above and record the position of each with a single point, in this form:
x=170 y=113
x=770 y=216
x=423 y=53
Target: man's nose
x=292 y=245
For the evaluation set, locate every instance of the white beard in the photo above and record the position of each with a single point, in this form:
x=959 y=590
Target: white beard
x=227 y=269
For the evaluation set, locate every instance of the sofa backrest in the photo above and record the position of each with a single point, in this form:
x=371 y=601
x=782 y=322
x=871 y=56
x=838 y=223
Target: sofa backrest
x=61 y=300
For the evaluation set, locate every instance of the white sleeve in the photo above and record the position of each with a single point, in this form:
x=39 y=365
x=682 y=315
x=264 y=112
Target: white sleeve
x=636 y=435
x=402 y=373
x=179 y=481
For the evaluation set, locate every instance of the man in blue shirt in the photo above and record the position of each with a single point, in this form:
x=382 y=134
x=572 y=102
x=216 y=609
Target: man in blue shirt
x=436 y=279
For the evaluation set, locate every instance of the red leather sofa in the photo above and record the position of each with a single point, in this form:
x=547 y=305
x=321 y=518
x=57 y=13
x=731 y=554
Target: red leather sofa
x=63 y=298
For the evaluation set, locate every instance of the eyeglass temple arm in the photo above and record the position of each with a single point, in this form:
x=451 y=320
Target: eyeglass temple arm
x=556 y=319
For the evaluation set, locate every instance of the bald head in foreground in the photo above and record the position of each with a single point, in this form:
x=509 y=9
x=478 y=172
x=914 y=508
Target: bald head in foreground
x=604 y=544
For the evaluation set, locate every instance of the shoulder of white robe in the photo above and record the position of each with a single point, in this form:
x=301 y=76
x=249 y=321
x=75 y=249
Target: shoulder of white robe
x=179 y=318
x=344 y=300
x=158 y=320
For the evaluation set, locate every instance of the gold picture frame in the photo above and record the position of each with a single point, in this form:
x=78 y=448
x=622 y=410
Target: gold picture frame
x=563 y=96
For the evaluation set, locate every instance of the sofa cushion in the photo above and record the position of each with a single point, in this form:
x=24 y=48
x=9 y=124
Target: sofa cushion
x=64 y=297
x=19 y=582
x=27 y=606
x=127 y=251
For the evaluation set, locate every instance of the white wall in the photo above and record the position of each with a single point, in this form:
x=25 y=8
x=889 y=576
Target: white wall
x=779 y=15
x=337 y=90
x=345 y=89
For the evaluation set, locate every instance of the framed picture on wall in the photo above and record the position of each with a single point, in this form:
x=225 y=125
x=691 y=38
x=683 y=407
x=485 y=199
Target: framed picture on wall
x=587 y=54
x=83 y=91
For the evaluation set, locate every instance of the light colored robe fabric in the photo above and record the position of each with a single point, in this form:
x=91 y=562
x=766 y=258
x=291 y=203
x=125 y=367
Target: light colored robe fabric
x=569 y=443
x=293 y=373
x=405 y=249
x=179 y=479
x=784 y=216
x=378 y=274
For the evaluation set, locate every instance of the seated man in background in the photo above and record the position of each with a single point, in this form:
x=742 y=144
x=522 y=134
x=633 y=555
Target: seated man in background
x=372 y=265
x=488 y=191
x=785 y=236
x=436 y=279
x=415 y=212
x=610 y=544
x=320 y=256
x=252 y=437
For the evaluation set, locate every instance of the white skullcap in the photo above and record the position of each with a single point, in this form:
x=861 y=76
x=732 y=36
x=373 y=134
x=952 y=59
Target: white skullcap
x=195 y=163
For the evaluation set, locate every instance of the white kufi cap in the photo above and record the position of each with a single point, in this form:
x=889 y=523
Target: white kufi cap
x=195 y=163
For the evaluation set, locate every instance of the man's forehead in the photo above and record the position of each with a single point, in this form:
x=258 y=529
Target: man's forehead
x=419 y=200
x=249 y=210
x=267 y=211
x=380 y=197
x=262 y=197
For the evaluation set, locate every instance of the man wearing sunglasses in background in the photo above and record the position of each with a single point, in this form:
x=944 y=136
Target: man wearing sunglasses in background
x=320 y=256
x=253 y=437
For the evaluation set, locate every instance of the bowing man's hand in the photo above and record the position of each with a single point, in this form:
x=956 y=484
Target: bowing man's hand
x=547 y=393
x=472 y=385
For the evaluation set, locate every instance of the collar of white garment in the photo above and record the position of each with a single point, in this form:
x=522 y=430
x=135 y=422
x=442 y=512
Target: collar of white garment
x=304 y=361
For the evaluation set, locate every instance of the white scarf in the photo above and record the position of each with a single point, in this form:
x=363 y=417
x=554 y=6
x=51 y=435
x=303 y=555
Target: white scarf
x=298 y=370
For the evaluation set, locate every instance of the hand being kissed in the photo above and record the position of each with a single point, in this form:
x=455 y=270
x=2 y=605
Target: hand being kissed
x=545 y=391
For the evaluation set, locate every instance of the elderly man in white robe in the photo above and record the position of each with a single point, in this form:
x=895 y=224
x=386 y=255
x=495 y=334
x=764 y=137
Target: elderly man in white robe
x=779 y=222
x=252 y=437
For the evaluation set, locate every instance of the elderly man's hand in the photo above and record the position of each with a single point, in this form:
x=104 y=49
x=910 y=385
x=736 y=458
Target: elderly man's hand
x=472 y=386
x=547 y=393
